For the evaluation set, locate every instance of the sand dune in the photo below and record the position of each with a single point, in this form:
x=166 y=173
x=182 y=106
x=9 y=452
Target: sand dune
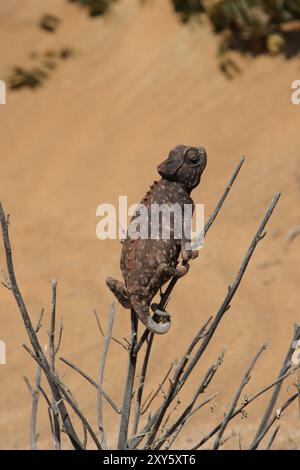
x=138 y=84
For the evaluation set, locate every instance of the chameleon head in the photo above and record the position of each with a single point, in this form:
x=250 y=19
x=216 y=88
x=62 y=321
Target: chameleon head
x=185 y=165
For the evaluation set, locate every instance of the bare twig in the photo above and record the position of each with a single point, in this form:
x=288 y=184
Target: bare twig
x=35 y=392
x=272 y=439
x=231 y=410
x=107 y=339
x=61 y=328
x=201 y=389
x=154 y=395
x=240 y=409
x=92 y=382
x=32 y=334
x=102 y=333
x=40 y=321
x=56 y=423
x=272 y=402
x=177 y=430
x=123 y=433
x=66 y=394
x=276 y=415
x=140 y=389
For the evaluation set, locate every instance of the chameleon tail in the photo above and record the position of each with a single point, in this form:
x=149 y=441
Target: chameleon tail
x=142 y=310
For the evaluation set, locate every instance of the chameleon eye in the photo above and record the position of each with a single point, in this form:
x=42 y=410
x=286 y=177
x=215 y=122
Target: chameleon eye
x=194 y=158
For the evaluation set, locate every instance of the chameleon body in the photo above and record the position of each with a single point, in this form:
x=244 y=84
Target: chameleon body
x=148 y=263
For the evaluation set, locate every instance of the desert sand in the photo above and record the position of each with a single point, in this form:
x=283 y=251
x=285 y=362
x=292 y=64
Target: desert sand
x=139 y=83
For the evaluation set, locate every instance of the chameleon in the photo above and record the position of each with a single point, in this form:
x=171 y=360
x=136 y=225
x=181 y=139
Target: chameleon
x=147 y=263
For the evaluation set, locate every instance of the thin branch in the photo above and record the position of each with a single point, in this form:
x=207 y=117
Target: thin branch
x=56 y=421
x=179 y=428
x=277 y=414
x=240 y=409
x=67 y=396
x=166 y=295
x=102 y=333
x=140 y=389
x=34 y=392
x=32 y=334
x=40 y=321
x=146 y=405
x=201 y=389
x=272 y=439
x=92 y=382
x=177 y=373
x=106 y=343
x=61 y=328
x=123 y=432
x=272 y=402
x=232 y=408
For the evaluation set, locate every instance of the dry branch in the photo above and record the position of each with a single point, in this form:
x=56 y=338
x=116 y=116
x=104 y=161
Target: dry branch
x=52 y=354
x=35 y=393
x=32 y=333
x=232 y=408
x=123 y=433
x=107 y=339
x=92 y=382
x=285 y=367
x=66 y=394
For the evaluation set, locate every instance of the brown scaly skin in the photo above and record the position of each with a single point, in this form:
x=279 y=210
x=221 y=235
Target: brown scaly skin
x=147 y=264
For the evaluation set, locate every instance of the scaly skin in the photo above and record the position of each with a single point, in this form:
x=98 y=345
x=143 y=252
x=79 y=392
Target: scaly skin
x=147 y=264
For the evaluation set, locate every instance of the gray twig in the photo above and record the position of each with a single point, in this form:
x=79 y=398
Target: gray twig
x=272 y=439
x=201 y=389
x=92 y=382
x=276 y=415
x=106 y=343
x=40 y=321
x=66 y=394
x=52 y=353
x=123 y=432
x=32 y=334
x=285 y=367
x=35 y=392
x=240 y=409
x=232 y=408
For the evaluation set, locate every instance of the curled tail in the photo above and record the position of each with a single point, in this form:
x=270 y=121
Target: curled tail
x=142 y=309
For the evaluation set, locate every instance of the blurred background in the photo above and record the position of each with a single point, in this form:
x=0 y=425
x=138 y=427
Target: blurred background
x=94 y=104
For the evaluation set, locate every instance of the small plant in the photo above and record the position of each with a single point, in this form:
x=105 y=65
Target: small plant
x=95 y=7
x=187 y=8
x=49 y=23
x=248 y=25
x=35 y=75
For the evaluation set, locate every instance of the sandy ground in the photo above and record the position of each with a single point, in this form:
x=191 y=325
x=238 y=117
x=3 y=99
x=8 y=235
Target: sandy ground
x=138 y=84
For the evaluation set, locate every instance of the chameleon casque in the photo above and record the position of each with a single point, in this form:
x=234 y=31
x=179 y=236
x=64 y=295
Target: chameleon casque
x=147 y=264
